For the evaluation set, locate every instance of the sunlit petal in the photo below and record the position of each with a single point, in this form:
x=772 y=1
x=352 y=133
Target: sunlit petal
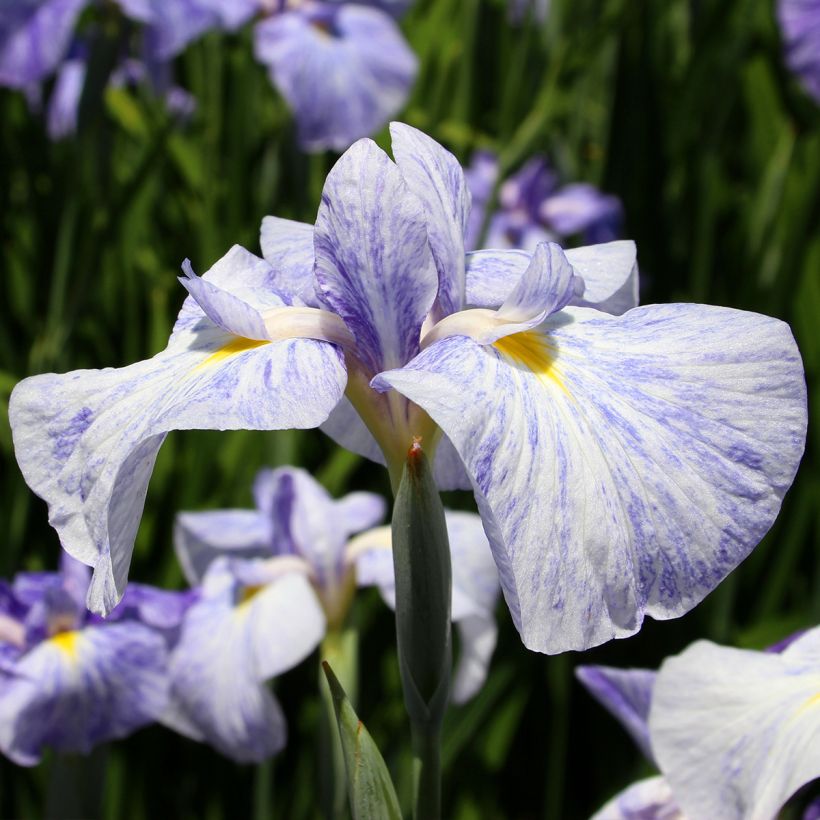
x=622 y=466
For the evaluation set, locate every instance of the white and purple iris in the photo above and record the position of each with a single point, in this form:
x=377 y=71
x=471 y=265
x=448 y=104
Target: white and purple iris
x=800 y=27
x=533 y=207
x=734 y=732
x=622 y=465
x=69 y=680
x=273 y=581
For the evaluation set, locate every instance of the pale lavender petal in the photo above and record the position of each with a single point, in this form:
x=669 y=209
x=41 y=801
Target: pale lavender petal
x=626 y=694
x=308 y=522
x=737 y=732
x=82 y=688
x=86 y=441
x=547 y=285
x=344 y=71
x=373 y=263
x=622 y=465
x=232 y=14
x=649 y=799
x=161 y=609
x=75 y=577
x=477 y=639
x=64 y=103
x=610 y=274
x=232 y=641
x=288 y=248
x=34 y=37
x=202 y=537
x=435 y=177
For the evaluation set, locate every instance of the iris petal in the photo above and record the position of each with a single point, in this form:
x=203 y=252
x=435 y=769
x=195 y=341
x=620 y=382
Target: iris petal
x=86 y=441
x=737 y=732
x=622 y=466
x=81 y=688
x=373 y=262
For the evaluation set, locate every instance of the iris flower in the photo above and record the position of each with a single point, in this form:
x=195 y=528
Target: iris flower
x=622 y=465
x=35 y=35
x=800 y=27
x=70 y=681
x=344 y=68
x=533 y=207
x=273 y=581
x=735 y=732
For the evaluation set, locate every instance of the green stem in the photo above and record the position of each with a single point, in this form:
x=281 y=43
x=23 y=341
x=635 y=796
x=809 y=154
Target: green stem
x=426 y=772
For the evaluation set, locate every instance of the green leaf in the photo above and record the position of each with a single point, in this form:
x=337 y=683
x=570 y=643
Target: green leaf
x=369 y=786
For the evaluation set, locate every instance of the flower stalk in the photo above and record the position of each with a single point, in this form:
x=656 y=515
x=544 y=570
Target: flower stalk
x=421 y=560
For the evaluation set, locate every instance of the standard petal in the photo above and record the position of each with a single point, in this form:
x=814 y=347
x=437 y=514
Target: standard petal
x=202 y=537
x=548 y=284
x=435 y=176
x=609 y=272
x=344 y=71
x=288 y=248
x=626 y=694
x=232 y=641
x=34 y=37
x=306 y=521
x=169 y=24
x=373 y=263
x=622 y=465
x=649 y=799
x=82 y=688
x=737 y=732
x=86 y=441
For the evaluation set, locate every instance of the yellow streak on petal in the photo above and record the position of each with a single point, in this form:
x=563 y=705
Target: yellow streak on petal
x=239 y=344
x=814 y=700
x=67 y=642
x=248 y=593
x=532 y=350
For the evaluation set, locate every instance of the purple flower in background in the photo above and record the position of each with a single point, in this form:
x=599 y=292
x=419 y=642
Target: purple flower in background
x=734 y=732
x=533 y=208
x=622 y=464
x=34 y=37
x=171 y=25
x=800 y=26
x=343 y=68
x=67 y=679
x=64 y=103
x=272 y=581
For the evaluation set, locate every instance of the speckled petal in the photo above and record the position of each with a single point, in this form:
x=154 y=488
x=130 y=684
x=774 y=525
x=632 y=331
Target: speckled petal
x=737 y=732
x=34 y=37
x=288 y=248
x=344 y=71
x=86 y=441
x=626 y=694
x=622 y=465
x=373 y=263
x=435 y=177
x=232 y=641
x=649 y=799
x=82 y=688
x=202 y=537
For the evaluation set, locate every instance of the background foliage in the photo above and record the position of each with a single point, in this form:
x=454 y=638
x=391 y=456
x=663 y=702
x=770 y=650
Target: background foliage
x=683 y=108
